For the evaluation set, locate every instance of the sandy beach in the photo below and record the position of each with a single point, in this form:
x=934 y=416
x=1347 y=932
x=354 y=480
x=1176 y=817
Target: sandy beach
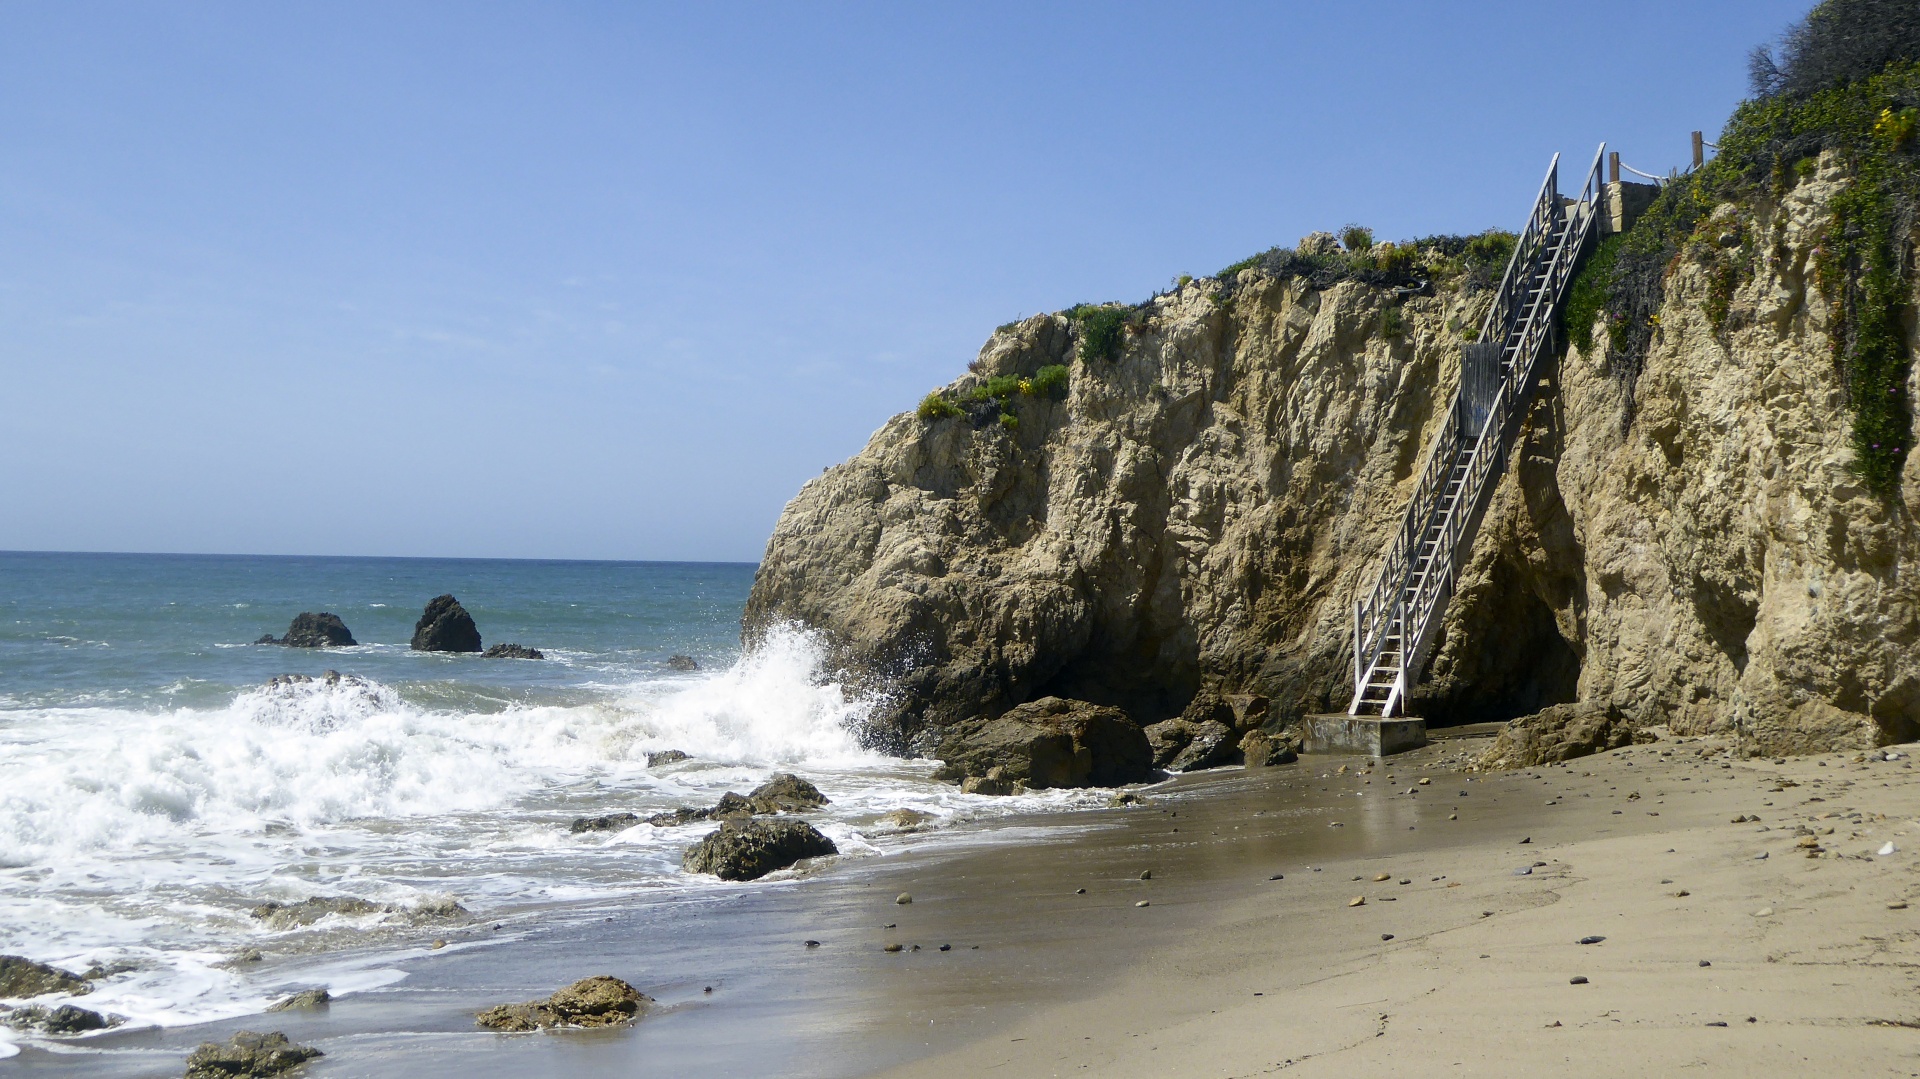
x=1242 y=951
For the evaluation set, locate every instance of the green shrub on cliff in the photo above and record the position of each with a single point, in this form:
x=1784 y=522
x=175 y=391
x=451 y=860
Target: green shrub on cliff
x=935 y=406
x=1100 y=328
x=1003 y=389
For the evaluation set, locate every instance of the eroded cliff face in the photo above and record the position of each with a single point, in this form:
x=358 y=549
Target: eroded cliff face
x=1199 y=512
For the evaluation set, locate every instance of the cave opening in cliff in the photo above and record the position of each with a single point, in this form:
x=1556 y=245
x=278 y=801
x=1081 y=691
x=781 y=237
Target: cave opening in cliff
x=1514 y=659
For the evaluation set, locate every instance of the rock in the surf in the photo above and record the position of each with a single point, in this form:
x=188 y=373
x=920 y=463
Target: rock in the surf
x=310 y=998
x=307 y=911
x=611 y=822
x=1051 y=742
x=311 y=630
x=65 y=1019
x=512 y=651
x=248 y=1056
x=786 y=793
x=666 y=756
x=445 y=626
x=601 y=1001
x=22 y=977
x=750 y=849
x=683 y=663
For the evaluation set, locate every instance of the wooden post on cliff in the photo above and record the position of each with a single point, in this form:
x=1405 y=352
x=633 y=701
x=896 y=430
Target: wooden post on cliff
x=1699 y=150
x=1613 y=167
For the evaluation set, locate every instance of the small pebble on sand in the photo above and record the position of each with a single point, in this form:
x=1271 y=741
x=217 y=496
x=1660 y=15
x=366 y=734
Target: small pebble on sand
x=1705 y=963
x=1357 y=901
x=1382 y=876
x=1143 y=903
x=1146 y=874
x=903 y=898
x=1577 y=979
x=894 y=948
x=1386 y=936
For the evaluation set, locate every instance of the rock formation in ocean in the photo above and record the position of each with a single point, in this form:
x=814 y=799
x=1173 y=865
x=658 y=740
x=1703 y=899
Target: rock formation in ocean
x=248 y=1055
x=1194 y=511
x=311 y=630
x=512 y=651
x=21 y=977
x=750 y=849
x=445 y=626
x=600 y=1001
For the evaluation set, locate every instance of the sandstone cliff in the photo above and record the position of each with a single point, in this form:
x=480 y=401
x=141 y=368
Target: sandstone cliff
x=1195 y=515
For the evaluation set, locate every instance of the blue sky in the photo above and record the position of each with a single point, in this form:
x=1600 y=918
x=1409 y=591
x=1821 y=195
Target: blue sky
x=612 y=280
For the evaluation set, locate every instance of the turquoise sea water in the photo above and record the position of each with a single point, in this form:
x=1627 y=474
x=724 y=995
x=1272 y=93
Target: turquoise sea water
x=155 y=788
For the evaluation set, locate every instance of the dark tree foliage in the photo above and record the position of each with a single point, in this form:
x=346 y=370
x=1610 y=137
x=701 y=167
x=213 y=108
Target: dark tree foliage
x=1840 y=41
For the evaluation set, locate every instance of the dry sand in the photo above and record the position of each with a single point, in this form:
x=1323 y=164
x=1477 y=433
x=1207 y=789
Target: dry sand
x=1811 y=949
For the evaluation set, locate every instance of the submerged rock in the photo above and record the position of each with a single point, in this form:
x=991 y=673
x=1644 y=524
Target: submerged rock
x=248 y=1056
x=666 y=756
x=1561 y=733
x=750 y=849
x=445 y=626
x=905 y=820
x=1051 y=742
x=64 y=1019
x=307 y=911
x=512 y=651
x=22 y=977
x=311 y=998
x=600 y=1001
x=310 y=630
x=612 y=822
x=683 y=663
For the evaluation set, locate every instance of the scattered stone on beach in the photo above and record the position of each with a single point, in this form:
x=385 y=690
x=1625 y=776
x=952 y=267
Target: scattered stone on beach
x=22 y=977
x=813 y=944
x=750 y=849
x=247 y=1055
x=1590 y=940
x=1143 y=903
x=903 y=898
x=1146 y=874
x=1577 y=979
x=600 y=1001
x=682 y=663
x=894 y=948
x=1386 y=936
x=1705 y=963
x=1126 y=798
x=1051 y=742
x=611 y=822
x=311 y=998
x=60 y=1020
x=1357 y=901
x=445 y=626
x=311 y=630
x=785 y=793
x=512 y=651
x=666 y=756
x=1382 y=876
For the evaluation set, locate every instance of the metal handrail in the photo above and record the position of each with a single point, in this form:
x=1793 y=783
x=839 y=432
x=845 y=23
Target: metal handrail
x=1522 y=313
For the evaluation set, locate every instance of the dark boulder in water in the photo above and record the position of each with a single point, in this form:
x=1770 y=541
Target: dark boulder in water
x=311 y=630
x=785 y=793
x=683 y=663
x=307 y=911
x=445 y=626
x=65 y=1019
x=22 y=977
x=612 y=822
x=248 y=1056
x=603 y=1001
x=311 y=998
x=666 y=756
x=513 y=651
x=1051 y=742
x=750 y=849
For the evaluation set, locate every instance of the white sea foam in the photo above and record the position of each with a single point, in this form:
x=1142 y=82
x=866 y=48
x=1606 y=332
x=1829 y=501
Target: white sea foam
x=144 y=837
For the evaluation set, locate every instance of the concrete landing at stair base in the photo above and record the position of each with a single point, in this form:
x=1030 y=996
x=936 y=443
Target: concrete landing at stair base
x=1376 y=737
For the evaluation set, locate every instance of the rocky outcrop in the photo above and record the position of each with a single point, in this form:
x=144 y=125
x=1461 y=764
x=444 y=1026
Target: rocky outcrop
x=750 y=849
x=1561 y=733
x=1686 y=541
x=310 y=630
x=445 y=626
x=784 y=793
x=1181 y=745
x=602 y=1001
x=21 y=977
x=248 y=1056
x=511 y=651
x=303 y=1000
x=1258 y=749
x=1051 y=742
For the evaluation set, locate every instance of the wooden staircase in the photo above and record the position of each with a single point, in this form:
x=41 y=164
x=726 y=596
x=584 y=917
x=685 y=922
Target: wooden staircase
x=1395 y=625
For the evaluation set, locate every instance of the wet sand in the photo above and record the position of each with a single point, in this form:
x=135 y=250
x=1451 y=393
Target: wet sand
x=1223 y=971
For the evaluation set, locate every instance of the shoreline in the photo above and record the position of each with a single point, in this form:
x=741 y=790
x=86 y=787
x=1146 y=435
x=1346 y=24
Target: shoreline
x=1225 y=972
